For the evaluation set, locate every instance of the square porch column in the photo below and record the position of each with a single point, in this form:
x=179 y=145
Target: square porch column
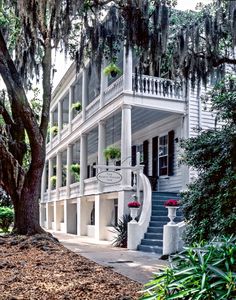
x=83 y=161
x=84 y=93
x=71 y=96
x=128 y=69
x=68 y=172
x=103 y=85
x=59 y=171
x=101 y=147
x=100 y=218
x=65 y=214
x=59 y=119
x=126 y=140
x=50 y=173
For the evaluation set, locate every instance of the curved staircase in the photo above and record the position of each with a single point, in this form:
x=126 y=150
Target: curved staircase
x=153 y=238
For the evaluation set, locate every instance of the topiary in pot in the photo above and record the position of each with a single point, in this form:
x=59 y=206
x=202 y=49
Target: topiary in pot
x=112 y=152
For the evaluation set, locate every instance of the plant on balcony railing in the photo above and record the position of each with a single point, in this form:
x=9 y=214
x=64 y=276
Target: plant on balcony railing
x=53 y=180
x=77 y=106
x=75 y=170
x=112 y=69
x=53 y=130
x=112 y=153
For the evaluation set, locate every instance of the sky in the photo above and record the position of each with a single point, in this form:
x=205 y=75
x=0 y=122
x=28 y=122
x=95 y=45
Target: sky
x=61 y=65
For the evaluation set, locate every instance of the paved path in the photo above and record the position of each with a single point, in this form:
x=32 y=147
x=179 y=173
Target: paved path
x=136 y=265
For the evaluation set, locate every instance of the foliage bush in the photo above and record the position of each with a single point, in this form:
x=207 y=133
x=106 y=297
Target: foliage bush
x=112 y=152
x=206 y=271
x=6 y=218
x=209 y=204
x=121 y=229
x=75 y=170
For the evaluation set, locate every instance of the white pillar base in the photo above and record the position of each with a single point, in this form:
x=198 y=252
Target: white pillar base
x=170 y=239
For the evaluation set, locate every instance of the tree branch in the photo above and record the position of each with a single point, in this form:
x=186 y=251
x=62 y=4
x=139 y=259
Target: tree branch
x=15 y=89
x=11 y=173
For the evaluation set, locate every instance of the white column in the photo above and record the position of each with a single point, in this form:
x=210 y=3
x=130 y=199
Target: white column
x=59 y=170
x=71 y=95
x=68 y=172
x=127 y=68
x=126 y=140
x=50 y=127
x=50 y=174
x=101 y=147
x=103 y=86
x=48 y=225
x=83 y=161
x=100 y=213
x=84 y=93
x=59 y=119
x=65 y=215
x=43 y=183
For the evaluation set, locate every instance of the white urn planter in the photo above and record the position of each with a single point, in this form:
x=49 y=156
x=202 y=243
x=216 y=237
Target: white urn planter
x=172 y=214
x=134 y=213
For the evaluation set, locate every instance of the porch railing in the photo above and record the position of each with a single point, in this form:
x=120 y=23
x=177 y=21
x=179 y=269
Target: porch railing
x=155 y=86
x=113 y=90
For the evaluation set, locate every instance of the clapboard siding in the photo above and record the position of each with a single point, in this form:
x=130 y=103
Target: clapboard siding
x=168 y=183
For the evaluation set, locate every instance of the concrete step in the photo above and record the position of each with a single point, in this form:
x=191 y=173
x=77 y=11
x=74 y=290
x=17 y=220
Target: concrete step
x=157 y=223
x=152 y=242
x=165 y=218
x=152 y=249
x=155 y=236
x=156 y=229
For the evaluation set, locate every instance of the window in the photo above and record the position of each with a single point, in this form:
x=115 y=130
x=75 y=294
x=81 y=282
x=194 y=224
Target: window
x=163 y=155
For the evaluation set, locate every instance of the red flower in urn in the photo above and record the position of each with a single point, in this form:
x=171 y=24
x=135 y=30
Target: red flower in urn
x=171 y=202
x=134 y=204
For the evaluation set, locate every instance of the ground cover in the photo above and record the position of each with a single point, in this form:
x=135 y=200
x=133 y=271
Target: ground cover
x=39 y=268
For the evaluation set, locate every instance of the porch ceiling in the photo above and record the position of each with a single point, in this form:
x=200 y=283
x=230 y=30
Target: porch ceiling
x=141 y=118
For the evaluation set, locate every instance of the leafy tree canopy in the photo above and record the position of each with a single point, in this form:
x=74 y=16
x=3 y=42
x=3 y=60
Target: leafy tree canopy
x=209 y=204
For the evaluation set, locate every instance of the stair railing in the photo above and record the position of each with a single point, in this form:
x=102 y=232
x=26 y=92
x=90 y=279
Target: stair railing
x=137 y=230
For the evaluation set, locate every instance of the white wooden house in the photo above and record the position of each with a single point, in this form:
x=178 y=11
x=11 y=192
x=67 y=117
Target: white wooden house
x=148 y=115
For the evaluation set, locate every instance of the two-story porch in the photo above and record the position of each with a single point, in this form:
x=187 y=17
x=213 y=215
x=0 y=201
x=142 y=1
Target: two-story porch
x=145 y=115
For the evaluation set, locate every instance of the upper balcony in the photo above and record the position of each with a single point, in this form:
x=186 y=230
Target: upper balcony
x=88 y=94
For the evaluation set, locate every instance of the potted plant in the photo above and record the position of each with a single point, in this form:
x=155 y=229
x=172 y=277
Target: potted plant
x=53 y=130
x=53 y=180
x=77 y=106
x=171 y=205
x=112 y=153
x=112 y=70
x=75 y=170
x=134 y=208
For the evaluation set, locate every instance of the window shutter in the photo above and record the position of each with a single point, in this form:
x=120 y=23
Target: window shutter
x=88 y=171
x=145 y=157
x=155 y=161
x=171 y=148
x=134 y=155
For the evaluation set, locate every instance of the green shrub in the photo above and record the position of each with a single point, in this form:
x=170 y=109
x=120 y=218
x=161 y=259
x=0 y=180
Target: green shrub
x=211 y=196
x=75 y=170
x=112 y=152
x=121 y=229
x=6 y=218
x=205 y=271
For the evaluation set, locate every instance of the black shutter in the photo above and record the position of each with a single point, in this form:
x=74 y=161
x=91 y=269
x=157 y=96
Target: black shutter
x=155 y=161
x=171 y=148
x=145 y=157
x=88 y=171
x=133 y=155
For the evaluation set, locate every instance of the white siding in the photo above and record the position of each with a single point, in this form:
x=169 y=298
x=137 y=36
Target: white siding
x=167 y=183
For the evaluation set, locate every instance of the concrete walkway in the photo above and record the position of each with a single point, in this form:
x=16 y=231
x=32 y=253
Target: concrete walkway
x=136 y=265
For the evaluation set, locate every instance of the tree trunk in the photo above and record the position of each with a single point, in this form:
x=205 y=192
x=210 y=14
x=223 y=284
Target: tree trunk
x=27 y=207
